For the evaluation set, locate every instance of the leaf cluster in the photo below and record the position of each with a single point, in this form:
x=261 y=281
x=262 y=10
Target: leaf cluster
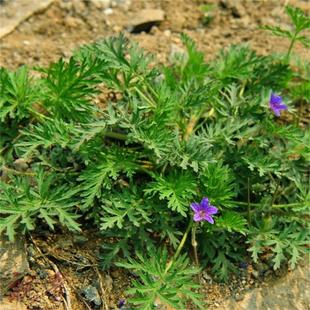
x=132 y=164
x=159 y=286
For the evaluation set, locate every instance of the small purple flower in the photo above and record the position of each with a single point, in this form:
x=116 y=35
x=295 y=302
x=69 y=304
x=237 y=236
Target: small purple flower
x=203 y=211
x=121 y=303
x=276 y=104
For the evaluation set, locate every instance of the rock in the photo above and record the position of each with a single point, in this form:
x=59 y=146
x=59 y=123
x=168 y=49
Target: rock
x=117 y=28
x=245 y=21
x=167 y=33
x=145 y=20
x=91 y=295
x=288 y=293
x=21 y=164
x=101 y=4
x=206 y=276
x=239 y=297
x=108 y=11
x=15 y=12
x=6 y=304
x=72 y=22
x=238 y=10
x=255 y=274
x=121 y=3
x=13 y=262
x=108 y=283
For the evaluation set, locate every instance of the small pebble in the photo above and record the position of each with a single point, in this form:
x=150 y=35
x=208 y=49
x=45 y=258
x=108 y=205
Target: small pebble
x=255 y=273
x=108 y=11
x=167 y=33
x=239 y=297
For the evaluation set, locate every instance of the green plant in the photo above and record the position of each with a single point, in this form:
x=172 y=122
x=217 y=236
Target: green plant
x=157 y=285
x=133 y=165
x=207 y=11
x=300 y=22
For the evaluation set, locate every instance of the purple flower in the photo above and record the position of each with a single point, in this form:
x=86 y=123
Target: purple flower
x=121 y=303
x=203 y=211
x=276 y=104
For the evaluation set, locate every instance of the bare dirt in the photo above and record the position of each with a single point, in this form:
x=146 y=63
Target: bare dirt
x=63 y=27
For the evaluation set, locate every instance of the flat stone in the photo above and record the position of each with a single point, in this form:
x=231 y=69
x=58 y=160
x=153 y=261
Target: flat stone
x=13 y=262
x=91 y=295
x=101 y=4
x=144 y=20
x=15 y=12
x=288 y=293
x=6 y=304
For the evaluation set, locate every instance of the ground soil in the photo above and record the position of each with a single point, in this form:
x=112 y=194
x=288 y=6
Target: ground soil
x=64 y=26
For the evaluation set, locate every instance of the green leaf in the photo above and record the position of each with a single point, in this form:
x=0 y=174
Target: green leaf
x=232 y=221
x=178 y=189
x=300 y=20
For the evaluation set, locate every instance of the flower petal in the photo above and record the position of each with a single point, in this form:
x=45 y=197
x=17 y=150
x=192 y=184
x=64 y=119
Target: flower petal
x=198 y=217
x=274 y=99
x=204 y=203
x=195 y=207
x=282 y=106
x=211 y=210
x=208 y=218
x=276 y=111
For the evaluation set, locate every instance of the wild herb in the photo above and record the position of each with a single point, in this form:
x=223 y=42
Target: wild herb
x=133 y=166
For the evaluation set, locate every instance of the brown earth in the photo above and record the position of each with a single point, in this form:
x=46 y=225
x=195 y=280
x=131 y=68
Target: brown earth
x=65 y=25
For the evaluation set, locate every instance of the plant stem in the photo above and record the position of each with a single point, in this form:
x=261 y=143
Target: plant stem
x=16 y=172
x=287 y=57
x=177 y=253
x=194 y=244
x=115 y=135
x=150 y=101
x=288 y=205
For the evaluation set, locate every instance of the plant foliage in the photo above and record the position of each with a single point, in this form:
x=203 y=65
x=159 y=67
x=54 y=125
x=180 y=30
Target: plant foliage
x=132 y=165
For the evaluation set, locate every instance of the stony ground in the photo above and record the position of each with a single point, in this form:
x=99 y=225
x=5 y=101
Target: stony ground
x=52 y=266
x=65 y=25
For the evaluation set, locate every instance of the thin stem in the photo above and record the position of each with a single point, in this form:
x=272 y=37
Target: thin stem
x=288 y=205
x=16 y=172
x=115 y=135
x=177 y=253
x=195 y=244
x=288 y=55
x=152 y=104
